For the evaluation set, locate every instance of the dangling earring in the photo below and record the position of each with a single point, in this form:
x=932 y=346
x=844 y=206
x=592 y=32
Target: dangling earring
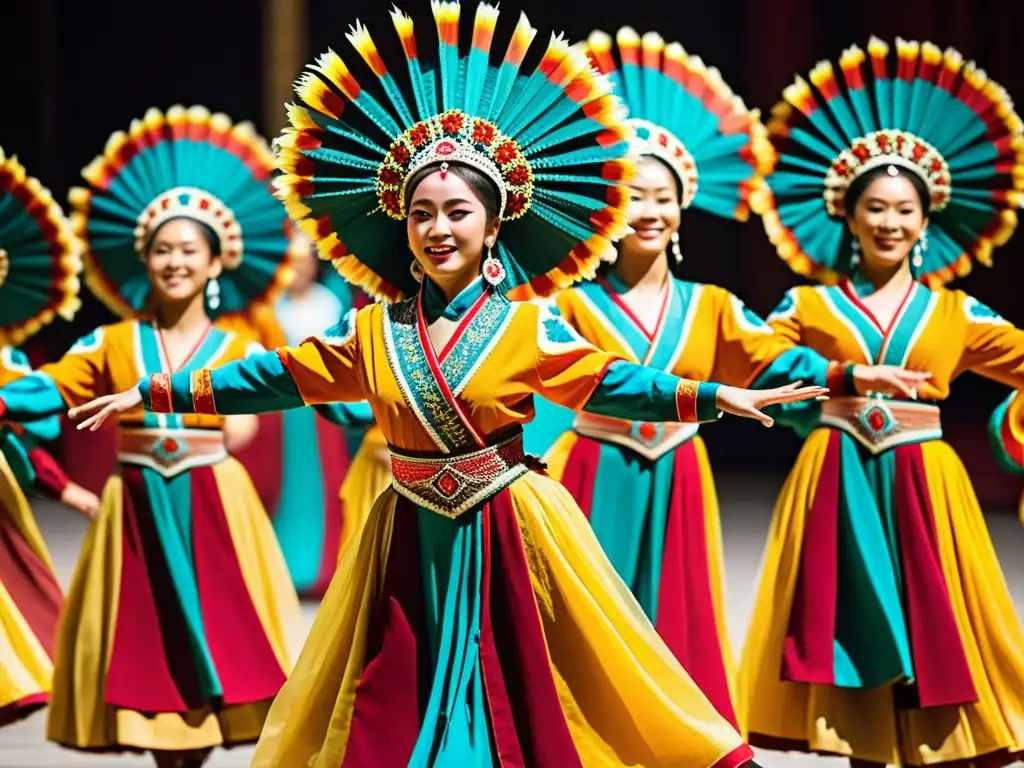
x=494 y=272
x=417 y=271
x=677 y=252
x=213 y=293
x=919 y=248
x=855 y=256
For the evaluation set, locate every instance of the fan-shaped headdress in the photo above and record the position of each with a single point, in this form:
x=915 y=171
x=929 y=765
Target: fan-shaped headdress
x=936 y=116
x=182 y=163
x=551 y=140
x=39 y=258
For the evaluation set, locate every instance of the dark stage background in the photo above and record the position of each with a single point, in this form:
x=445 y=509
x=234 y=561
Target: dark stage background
x=72 y=72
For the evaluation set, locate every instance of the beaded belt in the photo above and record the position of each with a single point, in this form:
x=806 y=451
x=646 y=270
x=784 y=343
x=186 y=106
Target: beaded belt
x=170 y=451
x=879 y=425
x=451 y=485
x=646 y=438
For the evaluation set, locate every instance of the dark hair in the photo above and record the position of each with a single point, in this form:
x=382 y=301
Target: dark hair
x=204 y=229
x=861 y=183
x=478 y=180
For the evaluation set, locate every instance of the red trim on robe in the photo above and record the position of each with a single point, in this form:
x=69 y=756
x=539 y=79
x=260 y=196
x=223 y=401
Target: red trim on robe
x=334 y=461
x=940 y=663
x=808 y=651
x=30 y=583
x=394 y=685
x=242 y=655
x=580 y=473
x=686 y=618
x=22 y=708
x=526 y=714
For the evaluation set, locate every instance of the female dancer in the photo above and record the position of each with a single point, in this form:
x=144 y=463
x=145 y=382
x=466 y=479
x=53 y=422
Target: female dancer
x=476 y=620
x=39 y=265
x=883 y=629
x=646 y=488
x=174 y=634
x=1006 y=430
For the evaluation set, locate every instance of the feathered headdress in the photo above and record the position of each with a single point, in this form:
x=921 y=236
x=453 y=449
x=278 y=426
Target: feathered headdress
x=190 y=163
x=685 y=115
x=551 y=140
x=935 y=116
x=39 y=258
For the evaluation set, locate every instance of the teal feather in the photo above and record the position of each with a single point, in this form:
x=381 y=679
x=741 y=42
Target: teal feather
x=815 y=145
x=548 y=120
x=373 y=109
x=791 y=181
x=564 y=198
x=633 y=91
x=586 y=176
x=591 y=154
x=650 y=81
x=979 y=158
x=900 y=97
x=843 y=115
x=426 y=102
x=883 y=101
x=487 y=100
x=504 y=79
x=568 y=224
x=393 y=92
x=571 y=131
x=920 y=93
x=820 y=120
x=341 y=158
x=862 y=110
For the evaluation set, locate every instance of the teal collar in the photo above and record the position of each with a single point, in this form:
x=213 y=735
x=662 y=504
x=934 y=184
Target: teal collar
x=436 y=306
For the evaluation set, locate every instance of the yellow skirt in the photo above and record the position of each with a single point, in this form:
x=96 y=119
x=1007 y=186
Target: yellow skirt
x=80 y=715
x=624 y=697
x=26 y=669
x=865 y=722
x=366 y=479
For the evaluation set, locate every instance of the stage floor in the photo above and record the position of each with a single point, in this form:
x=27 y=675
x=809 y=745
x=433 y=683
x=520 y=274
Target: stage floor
x=746 y=508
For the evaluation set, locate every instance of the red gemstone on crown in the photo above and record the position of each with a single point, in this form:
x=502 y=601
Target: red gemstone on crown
x=170 y=445
x=444 y=149
x=447 y=483
x=876 y=420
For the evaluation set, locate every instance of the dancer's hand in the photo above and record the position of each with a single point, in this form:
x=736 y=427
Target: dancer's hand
x=888 y=380
x=80 y=499
x=103 y=407
x=749 y=402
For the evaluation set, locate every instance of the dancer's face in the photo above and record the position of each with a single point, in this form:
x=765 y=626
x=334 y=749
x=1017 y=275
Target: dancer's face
x=179 y=261
x=887 y=220
x=448 y=227
x=654 y=213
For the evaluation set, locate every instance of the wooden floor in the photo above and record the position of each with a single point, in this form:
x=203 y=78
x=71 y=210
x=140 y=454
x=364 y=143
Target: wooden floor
x=746 y=508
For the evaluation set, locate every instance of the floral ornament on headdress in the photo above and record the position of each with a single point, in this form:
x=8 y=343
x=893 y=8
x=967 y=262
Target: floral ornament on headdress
x=552 y=141
x=937 y=117
x=182 y=163
x=685 y=115
x=39 y=257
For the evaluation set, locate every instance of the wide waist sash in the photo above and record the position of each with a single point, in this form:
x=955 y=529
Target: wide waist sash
x=879 y=425
x=170 y=451
x=648 y=439
x=451 y=485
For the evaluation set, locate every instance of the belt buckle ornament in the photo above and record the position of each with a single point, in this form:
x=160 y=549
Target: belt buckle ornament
x=647 y=433
x=877 y=421
x=170 y=450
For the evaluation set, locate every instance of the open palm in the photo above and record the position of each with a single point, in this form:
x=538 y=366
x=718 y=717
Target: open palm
x=749 y=402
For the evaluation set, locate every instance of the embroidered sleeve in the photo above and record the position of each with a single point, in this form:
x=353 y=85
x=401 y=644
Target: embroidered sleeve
x=322 y=369
x=639 y=393
x=77 y=378
x=1006 y=430
x=993 y=347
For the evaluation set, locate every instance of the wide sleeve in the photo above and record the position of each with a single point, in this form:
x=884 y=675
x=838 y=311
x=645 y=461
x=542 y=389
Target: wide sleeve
x=573 y=373
x=348 y=415
x=749 y=352
x=77 y=378
x=993 y=347
x=1006 y=431
x=50 y=479
x=322 y=369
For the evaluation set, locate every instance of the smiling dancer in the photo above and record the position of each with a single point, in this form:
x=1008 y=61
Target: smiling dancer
x=883 y=629
x=174 y=634
x=476 y=622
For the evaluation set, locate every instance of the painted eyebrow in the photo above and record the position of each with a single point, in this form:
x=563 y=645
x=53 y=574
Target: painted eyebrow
x=447 y=203
x=908 y=201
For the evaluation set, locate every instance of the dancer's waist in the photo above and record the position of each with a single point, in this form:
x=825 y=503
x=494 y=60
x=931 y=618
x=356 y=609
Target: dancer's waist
x=453 y=484
x=652 y=440
x=170 y=451
x=880 y=424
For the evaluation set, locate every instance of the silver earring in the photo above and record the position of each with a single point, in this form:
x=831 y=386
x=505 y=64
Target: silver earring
x=677 y=252
x=213 y=293
x=417 y=271
x=919 y=248
x=855 y=256
x=494 y=272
